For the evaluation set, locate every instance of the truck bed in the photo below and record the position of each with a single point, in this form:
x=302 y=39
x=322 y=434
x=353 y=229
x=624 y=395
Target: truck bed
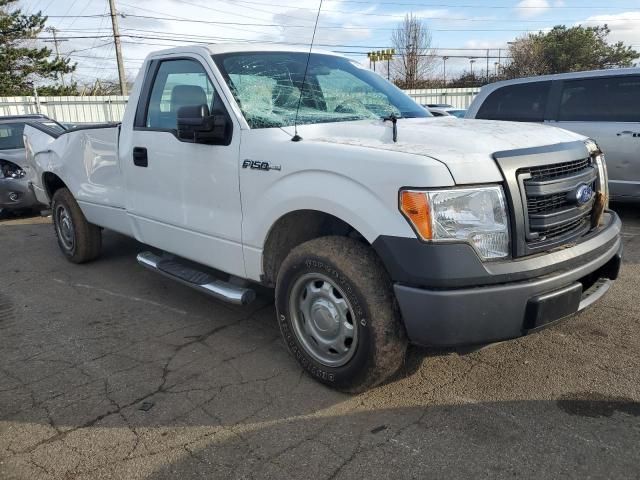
x=86 y=157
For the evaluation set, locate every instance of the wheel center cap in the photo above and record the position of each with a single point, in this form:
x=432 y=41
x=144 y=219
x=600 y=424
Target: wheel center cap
x=325 y=316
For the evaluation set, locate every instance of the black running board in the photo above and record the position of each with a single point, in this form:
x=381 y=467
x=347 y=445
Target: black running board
x=199 y=280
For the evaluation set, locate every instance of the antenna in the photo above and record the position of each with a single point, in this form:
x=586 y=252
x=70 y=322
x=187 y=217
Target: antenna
x=296 y=137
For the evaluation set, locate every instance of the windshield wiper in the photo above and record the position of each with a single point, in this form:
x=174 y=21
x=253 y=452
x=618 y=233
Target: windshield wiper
x=393 y=119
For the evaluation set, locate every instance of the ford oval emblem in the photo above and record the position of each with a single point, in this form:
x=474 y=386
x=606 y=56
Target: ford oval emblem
x=584 y=194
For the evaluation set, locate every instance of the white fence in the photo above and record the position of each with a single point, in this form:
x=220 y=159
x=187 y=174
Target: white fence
x=456 y=97
x=111 y=108
x=67 y=109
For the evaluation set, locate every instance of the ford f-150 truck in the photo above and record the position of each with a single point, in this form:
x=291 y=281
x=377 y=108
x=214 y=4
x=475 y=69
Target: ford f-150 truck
x=376 y=224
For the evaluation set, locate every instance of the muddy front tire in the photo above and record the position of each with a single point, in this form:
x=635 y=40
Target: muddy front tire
x=338 y=315
x=79 y=240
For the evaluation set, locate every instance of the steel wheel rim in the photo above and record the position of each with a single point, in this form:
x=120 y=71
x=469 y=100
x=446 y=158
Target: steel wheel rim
x=64 y=228
x=323 y=320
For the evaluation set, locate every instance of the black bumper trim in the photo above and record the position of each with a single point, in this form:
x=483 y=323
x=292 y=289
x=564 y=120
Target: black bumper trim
x=414 y=263
x=485 y=314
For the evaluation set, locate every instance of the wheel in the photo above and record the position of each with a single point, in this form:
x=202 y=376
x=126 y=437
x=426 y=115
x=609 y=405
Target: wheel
x=79 y=240
x=338 y=315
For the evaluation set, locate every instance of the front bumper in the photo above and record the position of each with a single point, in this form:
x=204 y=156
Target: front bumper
x=16 y=194
x=509 y=299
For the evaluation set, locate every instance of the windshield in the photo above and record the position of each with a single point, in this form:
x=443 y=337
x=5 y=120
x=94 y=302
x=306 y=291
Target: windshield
x=267 y=87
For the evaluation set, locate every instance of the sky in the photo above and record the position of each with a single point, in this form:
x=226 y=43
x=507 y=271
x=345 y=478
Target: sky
x=462 y=30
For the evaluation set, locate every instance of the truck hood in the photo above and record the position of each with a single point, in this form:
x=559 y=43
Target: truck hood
x=466 y=147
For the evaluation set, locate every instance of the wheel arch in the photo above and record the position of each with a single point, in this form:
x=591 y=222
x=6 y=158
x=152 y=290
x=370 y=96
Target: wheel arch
x=52 y=183
x=295 y=228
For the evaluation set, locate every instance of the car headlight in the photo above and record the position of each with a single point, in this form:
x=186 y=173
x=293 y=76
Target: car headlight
x=477 y=216
x=11 y=170
x=601 y=164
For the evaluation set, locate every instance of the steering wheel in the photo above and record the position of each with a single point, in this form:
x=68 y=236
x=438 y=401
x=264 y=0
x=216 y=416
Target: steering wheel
x=350 y=106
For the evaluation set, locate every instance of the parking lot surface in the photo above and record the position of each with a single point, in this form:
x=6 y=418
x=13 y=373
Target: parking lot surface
x=111 y=371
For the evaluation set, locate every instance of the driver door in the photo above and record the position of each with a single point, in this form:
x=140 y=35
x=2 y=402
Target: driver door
x=183 y=197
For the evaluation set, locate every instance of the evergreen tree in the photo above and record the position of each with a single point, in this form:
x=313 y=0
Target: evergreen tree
x=567 y=49
x=22 y=62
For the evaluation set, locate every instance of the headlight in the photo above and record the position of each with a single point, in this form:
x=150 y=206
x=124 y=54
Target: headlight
x=11 y=170
x=598 y=156
x=477 y=216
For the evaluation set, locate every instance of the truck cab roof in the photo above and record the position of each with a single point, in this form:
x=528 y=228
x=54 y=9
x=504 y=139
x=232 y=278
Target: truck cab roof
x=218 y=49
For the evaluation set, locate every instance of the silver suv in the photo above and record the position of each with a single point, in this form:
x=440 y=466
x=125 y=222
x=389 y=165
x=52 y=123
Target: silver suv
x=603 y=105
x=16 y=193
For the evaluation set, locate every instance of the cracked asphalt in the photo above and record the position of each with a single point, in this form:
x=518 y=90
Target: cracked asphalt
x=111 y=371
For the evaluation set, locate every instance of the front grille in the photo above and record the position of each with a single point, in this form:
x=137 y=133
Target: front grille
x=552 y=215
x=560 y=231
x=548 y=172
x=547 y=203
x=550 y=203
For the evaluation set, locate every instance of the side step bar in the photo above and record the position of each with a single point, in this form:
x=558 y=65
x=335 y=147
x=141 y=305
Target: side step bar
x=199 y=280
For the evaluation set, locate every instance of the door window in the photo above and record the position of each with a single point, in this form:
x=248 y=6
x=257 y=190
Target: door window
x=11 y=136
x=524 y=102
x=178 y=83
x=612 y=99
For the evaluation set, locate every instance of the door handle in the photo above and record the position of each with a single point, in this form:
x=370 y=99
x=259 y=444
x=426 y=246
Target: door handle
x=140 y=158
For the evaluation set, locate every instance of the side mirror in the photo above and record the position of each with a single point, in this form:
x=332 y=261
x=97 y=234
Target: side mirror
x=197 y=125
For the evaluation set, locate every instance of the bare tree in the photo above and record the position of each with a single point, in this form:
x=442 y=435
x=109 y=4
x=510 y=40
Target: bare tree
x=527 y=58
x=107 y=86
x=414 y=60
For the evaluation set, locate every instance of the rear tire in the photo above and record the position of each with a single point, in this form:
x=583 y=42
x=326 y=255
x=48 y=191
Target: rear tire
x=338 y=315
x=79 y=240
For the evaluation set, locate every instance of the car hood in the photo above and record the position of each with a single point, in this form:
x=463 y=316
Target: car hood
x=466 y=147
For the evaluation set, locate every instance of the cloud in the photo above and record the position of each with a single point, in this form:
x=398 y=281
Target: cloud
x=625 y=27
x=141 y=36
x=532 y=8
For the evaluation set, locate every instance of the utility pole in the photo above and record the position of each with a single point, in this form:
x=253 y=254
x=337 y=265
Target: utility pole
x=487 y=65
x=56 y=41
x=116 y=41
x=444 y=70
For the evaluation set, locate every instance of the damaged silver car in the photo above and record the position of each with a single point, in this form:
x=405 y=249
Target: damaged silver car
x=16 y=193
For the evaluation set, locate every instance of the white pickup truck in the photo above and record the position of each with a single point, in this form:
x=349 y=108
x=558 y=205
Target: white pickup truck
x=376 y=224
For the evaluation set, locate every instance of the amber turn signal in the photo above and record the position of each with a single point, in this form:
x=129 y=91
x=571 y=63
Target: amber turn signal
x=415 y=207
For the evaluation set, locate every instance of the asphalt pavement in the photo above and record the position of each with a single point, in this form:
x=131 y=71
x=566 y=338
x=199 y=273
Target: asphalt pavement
x=108 y=370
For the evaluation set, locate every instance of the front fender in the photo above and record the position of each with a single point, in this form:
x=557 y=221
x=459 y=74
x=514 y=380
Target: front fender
x=346 y=199
x=357 y=184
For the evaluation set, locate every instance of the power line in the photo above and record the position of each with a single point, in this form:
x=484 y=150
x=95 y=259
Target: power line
x=177 y=18
x=480 y=6
x=77 y=16
x=240 y=14
x=284 y=26
x=102 y=20
x=94 y=46
x=71 y=5
x=453 y=6
x=281 y=25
